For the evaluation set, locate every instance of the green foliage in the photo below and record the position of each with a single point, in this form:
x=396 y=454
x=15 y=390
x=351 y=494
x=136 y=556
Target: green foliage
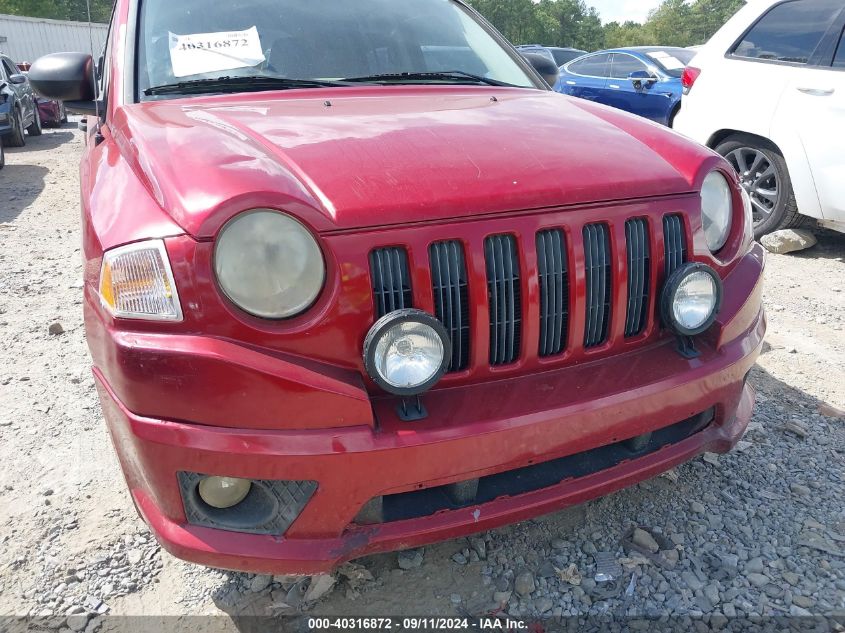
x=573 y=23
x=76 y=10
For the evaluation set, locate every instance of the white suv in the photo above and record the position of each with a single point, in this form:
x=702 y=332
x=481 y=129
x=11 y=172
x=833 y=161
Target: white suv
x=768 y=93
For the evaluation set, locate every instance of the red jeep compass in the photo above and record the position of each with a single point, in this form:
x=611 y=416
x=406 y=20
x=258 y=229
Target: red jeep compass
x=357 y=280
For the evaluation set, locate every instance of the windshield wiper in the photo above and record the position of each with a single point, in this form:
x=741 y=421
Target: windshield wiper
x=239 y=84
x=451 y=76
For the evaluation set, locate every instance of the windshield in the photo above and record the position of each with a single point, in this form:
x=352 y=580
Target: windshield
x=671 y=60
x=187 y=40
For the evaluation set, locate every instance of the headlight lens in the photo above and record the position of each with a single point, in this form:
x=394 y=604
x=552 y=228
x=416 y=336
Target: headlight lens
x=691 y=299
x=136 y=282
x=269 y=265
x=716 y=210
x=406 y=352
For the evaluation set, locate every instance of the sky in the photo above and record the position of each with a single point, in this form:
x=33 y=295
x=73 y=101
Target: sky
x=621 y=10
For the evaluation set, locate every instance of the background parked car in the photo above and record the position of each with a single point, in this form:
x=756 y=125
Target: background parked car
x=560 y=55
x=768 y=93
x=18 y=110
x=640 y=80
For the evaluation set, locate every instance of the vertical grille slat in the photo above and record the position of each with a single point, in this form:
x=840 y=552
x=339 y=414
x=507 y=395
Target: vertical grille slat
x=554 y=291
x=504 y=292
x=391 y=279
x=639 y=267
x=598 y=279
x=451 y=299
x=675 y=241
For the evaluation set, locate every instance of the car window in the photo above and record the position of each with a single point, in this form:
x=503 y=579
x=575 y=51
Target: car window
x=593 y=66
x=330 y=39
x=672 y=61
x=9 y=69
x=789 y=32
x=562 y=56
x=839 y=58
x=623 y=65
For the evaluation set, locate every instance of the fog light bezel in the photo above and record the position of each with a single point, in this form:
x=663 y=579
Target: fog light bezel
x=670 y=289
x=384 y=325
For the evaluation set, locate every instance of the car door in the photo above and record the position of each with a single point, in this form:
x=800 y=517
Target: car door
x=814 y=103
x=23 y=93
x=586 y=77
x=647 y=99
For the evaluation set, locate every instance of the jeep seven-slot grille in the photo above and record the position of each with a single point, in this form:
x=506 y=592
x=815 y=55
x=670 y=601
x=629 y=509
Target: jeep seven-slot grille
x=557 y=266
x=599 y=282
x=639 y=278
x=554 y=291
x=391 y=280
x=675 y=243
x=451 y=302
x=504 y=295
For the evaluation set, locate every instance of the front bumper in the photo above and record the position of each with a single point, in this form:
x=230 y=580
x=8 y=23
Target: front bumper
x=472 y=432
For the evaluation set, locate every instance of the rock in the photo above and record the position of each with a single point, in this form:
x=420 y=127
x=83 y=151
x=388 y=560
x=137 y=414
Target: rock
x=758 y=580
x=691 y=580
x=459 y=558
x=543 y=605
x=410 y=558
x=698 y=508
x=524 y=583
x=797 y=612
x=792 y=578
x=711 y=592
x=479 y=547
x=729 y=563
x=134 y=557
x=645 y=540
x=754 y=566
x=319 y=587
x=77 y=621
x=456 y=598
x=502 y=597
x=260 y=583
x=803 y=601
x=56 y=328
x=788 y=241
x=559 y=543
x=800 y=490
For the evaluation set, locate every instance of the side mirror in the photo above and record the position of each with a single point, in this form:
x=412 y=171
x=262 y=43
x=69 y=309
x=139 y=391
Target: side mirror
x=642 y=78
x=67 y=77
x=547 y=68
x=17 y=79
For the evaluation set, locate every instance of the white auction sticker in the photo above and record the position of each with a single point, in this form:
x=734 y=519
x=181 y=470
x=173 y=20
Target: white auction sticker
x=200 y=53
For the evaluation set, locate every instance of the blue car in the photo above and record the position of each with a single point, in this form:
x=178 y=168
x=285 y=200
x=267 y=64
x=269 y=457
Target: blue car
x=642 y=80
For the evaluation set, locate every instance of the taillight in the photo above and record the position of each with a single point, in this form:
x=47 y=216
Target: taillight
x=688 y=78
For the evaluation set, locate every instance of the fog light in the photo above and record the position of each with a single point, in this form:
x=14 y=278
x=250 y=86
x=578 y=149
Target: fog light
x=224 y=492
x=691 y=299
x=406 y=352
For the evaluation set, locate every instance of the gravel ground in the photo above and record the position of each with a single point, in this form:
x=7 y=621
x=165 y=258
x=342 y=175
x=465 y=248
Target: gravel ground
x=760 y=531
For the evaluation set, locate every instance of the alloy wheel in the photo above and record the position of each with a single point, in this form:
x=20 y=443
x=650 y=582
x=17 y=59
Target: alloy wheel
x=759 y=178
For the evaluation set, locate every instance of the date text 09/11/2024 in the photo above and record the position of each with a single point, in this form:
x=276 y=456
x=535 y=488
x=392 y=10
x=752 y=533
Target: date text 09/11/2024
x=418 y=623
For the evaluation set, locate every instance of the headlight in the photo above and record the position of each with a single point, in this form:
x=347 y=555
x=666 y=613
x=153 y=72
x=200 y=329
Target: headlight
x=716 y=210
x=224 y=492
x=406 y=352
x=136 y=282
x=268 y=264
x=691 y=299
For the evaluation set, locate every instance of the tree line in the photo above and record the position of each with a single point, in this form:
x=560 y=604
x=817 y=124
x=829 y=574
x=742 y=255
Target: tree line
x=572 y=23
x=551 y=22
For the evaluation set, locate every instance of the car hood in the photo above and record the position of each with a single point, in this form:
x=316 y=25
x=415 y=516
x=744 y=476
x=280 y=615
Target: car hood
x=364 y=157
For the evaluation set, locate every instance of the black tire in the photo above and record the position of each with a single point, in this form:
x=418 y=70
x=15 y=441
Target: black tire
x=673 y=115
x=783 y=213
x=35 y=127
x=64 y=114
x=2 y=154
x=16 y=137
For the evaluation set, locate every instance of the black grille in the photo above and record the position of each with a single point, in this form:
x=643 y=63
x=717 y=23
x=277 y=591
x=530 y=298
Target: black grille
x=598 y=279
x=675 y=241
x=639 y=267
x=554 y=291
x=451 y=301
x=391 y=280
x=503 y=290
